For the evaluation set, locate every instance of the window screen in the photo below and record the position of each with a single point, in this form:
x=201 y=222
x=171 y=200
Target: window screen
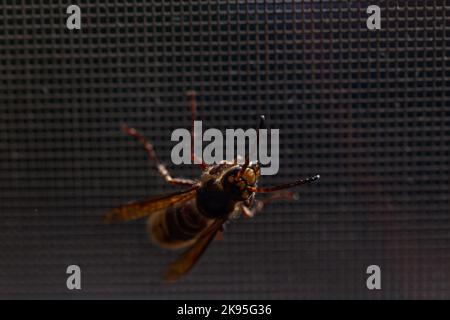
x=366 y=109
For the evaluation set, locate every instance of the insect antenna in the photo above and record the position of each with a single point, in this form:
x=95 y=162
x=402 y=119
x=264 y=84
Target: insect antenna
x=285 y=186
x=193 y=102
x=261 y=125
x=241 y=172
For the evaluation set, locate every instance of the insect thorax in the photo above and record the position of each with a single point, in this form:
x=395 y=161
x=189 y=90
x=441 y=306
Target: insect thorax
x=213 y=202
x=216 y=197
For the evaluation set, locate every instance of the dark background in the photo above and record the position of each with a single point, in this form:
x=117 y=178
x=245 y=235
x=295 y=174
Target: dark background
x=368 y=110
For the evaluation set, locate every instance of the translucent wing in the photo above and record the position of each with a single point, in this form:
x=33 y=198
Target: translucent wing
x=144 y=208
x=187 y=260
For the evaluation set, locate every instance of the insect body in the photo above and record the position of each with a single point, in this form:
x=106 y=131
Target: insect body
x=216 y=197
x=195 y=216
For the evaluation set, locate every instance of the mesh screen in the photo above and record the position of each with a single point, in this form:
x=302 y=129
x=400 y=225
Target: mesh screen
x=367 y=110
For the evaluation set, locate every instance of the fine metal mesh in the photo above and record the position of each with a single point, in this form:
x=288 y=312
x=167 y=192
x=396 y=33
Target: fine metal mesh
x=367 y=110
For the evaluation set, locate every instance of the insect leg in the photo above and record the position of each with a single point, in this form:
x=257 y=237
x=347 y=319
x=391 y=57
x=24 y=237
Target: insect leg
x=193 y=101
x=250 y=212
x=153 y=157
x=259 y=204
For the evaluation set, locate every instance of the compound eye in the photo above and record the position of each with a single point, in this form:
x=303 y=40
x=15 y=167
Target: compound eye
x=249 y=176
x=231 y=176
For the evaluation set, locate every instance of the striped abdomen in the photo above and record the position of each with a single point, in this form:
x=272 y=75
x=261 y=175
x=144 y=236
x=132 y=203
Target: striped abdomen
x=177 y=226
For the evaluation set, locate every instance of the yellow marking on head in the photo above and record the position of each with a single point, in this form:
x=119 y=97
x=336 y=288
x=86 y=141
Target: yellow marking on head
x=249 y=176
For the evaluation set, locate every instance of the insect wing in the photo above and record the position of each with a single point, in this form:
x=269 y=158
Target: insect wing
x=144 y=208
x=187 y=260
